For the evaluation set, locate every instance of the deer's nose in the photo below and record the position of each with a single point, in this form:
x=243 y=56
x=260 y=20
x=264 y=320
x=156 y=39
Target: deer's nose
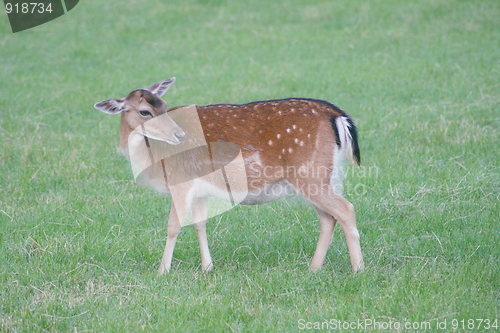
x=181 y=135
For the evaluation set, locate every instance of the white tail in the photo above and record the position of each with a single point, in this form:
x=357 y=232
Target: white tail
x=249 y=154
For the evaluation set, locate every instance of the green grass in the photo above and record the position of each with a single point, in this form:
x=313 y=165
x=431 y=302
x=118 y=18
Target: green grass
x=80 y=243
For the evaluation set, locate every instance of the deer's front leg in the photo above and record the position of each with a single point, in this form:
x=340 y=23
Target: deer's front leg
x=174 y=227
x=200 y=214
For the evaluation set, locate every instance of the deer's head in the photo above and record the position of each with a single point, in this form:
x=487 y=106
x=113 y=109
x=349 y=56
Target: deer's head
x=144 y=111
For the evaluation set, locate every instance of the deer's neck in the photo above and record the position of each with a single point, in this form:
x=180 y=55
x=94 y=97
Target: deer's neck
x=125 y=132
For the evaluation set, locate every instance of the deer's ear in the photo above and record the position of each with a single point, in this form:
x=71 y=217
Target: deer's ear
x=160 y=88
x=111 y=106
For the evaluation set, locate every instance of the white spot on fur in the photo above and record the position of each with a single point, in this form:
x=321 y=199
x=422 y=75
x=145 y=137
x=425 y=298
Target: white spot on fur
x=301 y=143
x=296 y=140
x=278 y=136
x=270 y=142
x=288 y=130
x=290 y=150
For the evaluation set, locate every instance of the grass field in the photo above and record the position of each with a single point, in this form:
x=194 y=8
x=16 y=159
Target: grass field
x=80 y=243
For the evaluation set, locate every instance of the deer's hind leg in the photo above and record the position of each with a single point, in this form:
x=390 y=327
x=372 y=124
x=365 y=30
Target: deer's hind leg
x=332 y=207
x=327 y=224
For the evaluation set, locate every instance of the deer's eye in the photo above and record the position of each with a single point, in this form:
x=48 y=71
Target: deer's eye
x=145 y=113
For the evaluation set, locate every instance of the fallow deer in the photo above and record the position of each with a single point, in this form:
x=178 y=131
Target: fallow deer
x=293 y=145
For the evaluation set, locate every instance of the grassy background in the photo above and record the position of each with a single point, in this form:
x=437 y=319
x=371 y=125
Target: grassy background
x=80 y=243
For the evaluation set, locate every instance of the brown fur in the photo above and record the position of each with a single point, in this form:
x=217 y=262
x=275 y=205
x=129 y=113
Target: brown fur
x=285 y=143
